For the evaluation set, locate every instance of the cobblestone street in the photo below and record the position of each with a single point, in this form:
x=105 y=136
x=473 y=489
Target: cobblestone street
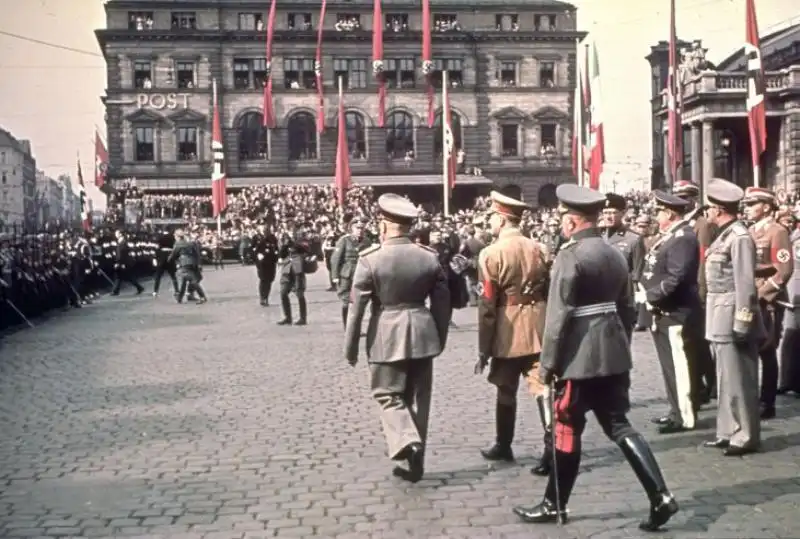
x=141 y=417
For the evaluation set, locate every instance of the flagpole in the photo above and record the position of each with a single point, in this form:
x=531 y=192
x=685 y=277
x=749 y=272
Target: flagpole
x=579 y=115
x=219 y=215
x=445 y=148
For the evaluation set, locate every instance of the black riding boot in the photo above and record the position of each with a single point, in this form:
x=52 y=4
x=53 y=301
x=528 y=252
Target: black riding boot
x=662 y=504
x=553 y=507
x=286 y=307
x=344 y=315
x=546 y=461
x=505 y=423
x=301 y=303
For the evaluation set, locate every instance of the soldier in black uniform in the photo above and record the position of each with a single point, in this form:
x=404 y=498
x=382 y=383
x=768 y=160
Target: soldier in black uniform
x=186 y=256
x=265 y=253
x=123 y=265
x=586 y=356
x=669 y=289
x=162 y=263
x=291 y=256
x=82 y=267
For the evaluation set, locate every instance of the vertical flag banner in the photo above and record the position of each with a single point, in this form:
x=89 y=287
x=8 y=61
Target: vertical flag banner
x=100 y=161
x=219 y=196
x=756 y=91
x=427 y=62
x=674 y=124
x=597 y=146
x=269 y=111
x=378 y=66
x=86 y=218
x=318 y=71
x=578 y=124
x=342 y=179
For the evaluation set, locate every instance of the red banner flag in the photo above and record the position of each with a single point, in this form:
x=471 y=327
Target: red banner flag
x=427 y=63
x=342 y=180
x=378 y=66
x=756 y=90
x=449 y=160
x=674 y=124
x=597 y=144
x=269 y=111
x=318 y=71
x=219 y=195
x=100 y=161
x=86 y=218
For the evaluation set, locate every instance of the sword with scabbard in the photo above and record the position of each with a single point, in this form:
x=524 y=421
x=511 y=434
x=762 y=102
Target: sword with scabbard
x=551 y=401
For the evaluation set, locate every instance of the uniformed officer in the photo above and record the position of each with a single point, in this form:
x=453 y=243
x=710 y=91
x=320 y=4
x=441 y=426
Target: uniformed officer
x=123 y=265
x=644 y=227
x=166 y=242
x=773 y=270
x=790 y=344
x=733 y=322
x=186 y=256
x=265 y=252
x=586 y=355
x=512 y=281
x=344 y=261
x=291 y=258
x=704 y=371
x=630 y=244
x=403 y=336
x=669 y=287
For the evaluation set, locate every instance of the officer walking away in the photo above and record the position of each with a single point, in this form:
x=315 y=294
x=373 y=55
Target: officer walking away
x=403 y=335
x=586 y=355
x=669 y=289
x=186 y=255
x=773 y=270
x=123 y=265
x=697 y=347
x=265 y=252
x=512 y=286
x=790 y=344
x=344 y=261
x=82 y=268
x=161 y=261
x=291 y=256
x=733 y=322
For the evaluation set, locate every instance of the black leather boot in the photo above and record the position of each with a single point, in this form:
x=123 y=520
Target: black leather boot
x=548 y=511
x=286 y=307
x=301 y=303
x=505 y=422
x=662 y=504
x=344 y=316
x=545 y=462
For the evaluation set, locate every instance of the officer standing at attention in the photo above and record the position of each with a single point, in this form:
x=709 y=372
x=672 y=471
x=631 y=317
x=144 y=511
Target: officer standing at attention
x=790 y=343
x=186 y=256
x=291 y=256
x=773 y=270
x=733 y=322
x=698 y=348
x=586 y=355
x=512 y=293
x=265 y=251
x=166 y=242
x=403 y=336
x=344 y=261
x=629 y=243
x=669 y=288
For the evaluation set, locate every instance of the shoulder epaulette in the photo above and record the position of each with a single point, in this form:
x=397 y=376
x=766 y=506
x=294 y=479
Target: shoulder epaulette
x=739 y=229
x=369 y=250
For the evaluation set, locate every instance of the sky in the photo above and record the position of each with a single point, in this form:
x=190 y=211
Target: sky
x=51 y=94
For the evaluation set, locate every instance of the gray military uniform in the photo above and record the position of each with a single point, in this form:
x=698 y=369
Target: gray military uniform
x=790 y=342
x=733 y=327
x=403 y=335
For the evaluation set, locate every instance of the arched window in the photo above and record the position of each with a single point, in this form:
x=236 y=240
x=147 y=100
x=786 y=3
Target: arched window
x=455 y=125
x=547 y=196
x=302 y=130
x=356 y=135
x=252 y=137
x=400 y=135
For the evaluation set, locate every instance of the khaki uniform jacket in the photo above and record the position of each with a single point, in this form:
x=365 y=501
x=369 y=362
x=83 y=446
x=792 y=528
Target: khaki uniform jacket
x=773 y=259
x=731 y=301
x=396 y=277
x=705 y=233
x=512 y=283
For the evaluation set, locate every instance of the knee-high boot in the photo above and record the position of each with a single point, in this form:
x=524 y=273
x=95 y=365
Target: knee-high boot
x=662 y=504
x=302 y=307
x=286 y=307
x=505 y=423
x=546 y=461
x=344 y=315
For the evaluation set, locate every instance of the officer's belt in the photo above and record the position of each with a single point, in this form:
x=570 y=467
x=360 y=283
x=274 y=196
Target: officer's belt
x=403 y=306
x=594 y=309
x=524 y=299
x=166 y=249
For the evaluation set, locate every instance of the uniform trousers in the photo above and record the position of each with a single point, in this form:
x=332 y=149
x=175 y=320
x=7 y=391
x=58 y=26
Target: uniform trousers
x=293 y=281
x=125 y=275
x=698 y=350
x=738 y=414
x=162 y=268
x=266 y=276
x=670 y=339
x=403 y=391
x=773 y=320
x=505 y=374
x=790 y=352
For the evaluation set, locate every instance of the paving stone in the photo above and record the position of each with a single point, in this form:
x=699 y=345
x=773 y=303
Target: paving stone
x=137 y=417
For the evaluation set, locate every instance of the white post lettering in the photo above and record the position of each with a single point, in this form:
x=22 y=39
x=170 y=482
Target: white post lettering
x=141 y=100
x=158 y=101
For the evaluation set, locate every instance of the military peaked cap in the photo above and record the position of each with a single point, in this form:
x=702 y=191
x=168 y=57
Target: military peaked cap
x=683 y=188
x=581 y=200
x=670 y=202
x=397 y=209
x=506 y=205
x=616 y=201
x=723 y=192
x=759 y=194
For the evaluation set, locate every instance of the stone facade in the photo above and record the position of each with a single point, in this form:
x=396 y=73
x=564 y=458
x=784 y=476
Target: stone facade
x=489 y=97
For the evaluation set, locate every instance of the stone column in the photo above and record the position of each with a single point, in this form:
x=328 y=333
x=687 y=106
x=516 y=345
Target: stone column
x=696 y=155
x=708 y=155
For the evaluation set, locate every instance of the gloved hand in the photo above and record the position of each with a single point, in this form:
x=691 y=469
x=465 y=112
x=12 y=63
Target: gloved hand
x=640 y=295
x=480 y=365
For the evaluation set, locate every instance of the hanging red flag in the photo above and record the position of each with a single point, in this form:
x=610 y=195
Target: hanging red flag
x=427 y=63
x=269 y=111
x=219 y=195
x=674 y=124
x=449 y=160
x=100 y=161
x=597 y=144
x=86 y=217
x=318 y=71
x=756 y=91
x=378 y=65
x=342 y=180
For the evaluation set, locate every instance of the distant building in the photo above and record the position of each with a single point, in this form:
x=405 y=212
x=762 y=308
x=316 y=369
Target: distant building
x=49 y=199
x=71 y=213
x=17 y=182
x=716 y=140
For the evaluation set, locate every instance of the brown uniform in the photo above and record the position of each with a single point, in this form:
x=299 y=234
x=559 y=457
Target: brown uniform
x=773 y=270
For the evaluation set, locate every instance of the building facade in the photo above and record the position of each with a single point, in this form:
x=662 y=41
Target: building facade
x=716 y=140
x=49 y=199
x=511 y=67
x=17 y=182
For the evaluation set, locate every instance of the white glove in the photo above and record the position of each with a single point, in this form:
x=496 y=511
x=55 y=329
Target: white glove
x=260 y=256
x=155 y=263
x=640 y=296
